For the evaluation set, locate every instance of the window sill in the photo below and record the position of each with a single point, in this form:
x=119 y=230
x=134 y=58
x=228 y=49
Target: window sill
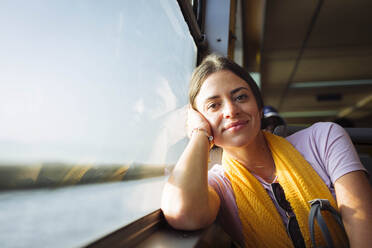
x=153 y=231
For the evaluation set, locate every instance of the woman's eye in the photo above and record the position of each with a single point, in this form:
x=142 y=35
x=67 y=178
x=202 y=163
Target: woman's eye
x=212 y=106
x=241 y=97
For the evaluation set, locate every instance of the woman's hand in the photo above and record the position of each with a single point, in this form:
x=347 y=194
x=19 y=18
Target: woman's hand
x=195 y=120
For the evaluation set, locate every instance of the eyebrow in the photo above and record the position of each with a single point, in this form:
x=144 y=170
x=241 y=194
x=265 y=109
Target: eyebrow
x=238 y=89
x=231 y=93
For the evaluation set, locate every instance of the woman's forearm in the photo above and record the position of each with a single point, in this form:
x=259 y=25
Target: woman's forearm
x=354 y=197
x=188 y=202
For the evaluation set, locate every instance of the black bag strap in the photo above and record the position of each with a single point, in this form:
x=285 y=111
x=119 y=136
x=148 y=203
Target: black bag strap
x=315 y=213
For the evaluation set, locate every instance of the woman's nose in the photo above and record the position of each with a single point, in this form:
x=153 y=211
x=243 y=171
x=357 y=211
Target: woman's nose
x=230 y=110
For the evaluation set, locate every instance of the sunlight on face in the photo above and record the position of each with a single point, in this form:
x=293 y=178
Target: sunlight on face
x=227 y=102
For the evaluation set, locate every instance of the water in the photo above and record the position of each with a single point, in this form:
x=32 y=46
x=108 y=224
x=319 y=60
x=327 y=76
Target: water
x=74 y=216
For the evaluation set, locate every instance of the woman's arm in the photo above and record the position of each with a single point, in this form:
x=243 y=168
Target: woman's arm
x=188 y=202
x=354 y=199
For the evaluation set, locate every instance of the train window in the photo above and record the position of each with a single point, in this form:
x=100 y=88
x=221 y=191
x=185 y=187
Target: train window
x=88 y=88
x=90 y=81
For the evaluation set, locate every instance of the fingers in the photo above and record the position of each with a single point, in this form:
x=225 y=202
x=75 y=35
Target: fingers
x=196 y=120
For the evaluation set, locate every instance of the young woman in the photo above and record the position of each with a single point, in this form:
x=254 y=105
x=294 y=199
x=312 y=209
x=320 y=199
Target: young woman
x=261 y=191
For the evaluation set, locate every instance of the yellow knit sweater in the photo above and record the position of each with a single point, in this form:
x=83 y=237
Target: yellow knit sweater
x=262 y=224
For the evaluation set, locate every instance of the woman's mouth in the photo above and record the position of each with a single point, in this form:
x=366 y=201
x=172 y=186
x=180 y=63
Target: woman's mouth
x=235 y=126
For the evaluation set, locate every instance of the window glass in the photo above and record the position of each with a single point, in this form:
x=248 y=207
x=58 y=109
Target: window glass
x=74 y=216
x=92 y=81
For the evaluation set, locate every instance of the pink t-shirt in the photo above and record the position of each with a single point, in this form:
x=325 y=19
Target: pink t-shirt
x=325 y=145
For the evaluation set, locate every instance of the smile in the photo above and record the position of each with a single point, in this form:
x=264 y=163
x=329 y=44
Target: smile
x=235 y=126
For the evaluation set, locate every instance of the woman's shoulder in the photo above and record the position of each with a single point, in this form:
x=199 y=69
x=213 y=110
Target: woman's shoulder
x=217 y=168
x=319 y=133
x=218 y=173
x=328 y=148
x=218 y=179
x=318 y=139
x=317 y=128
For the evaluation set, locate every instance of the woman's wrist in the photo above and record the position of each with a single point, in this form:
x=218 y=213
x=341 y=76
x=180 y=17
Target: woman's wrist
x=204 y=132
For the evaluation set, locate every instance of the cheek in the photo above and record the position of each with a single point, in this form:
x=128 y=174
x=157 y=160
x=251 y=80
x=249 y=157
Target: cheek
x=254 y=111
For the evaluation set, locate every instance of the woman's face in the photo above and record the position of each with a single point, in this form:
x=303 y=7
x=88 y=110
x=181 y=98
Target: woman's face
x=227 y=102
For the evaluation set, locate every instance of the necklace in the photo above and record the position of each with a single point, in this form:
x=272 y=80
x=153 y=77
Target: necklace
x=271 y=178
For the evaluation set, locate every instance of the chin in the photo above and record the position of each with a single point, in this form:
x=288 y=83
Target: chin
x=236 y=142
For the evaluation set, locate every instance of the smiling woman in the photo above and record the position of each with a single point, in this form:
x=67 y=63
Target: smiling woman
x=242 y=192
